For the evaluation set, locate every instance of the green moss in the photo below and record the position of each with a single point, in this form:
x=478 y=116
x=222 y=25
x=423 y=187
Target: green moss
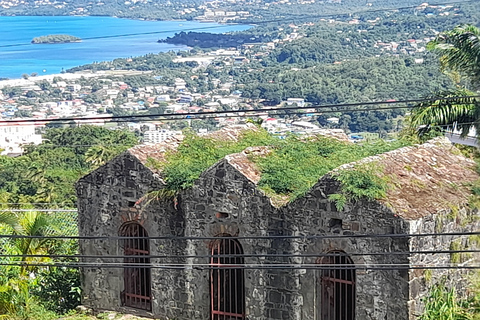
x=459 y=257
x=428 y=275
x=418 y=183
x=474 y=240
x=454 y=210
x=454 y=186
x=455 y=257
x=474 y=202
x=438 y=223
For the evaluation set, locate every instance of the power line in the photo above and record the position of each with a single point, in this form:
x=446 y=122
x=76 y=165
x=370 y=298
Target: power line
x=216 y=113
x=270 y=237
x=262 y=266
x=243 y=255
x=38 y=210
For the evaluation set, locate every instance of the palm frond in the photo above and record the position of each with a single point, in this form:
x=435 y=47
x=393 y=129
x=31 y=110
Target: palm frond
x=9 y=219
x=459 y=51
x=162 y=195
x=459 y=109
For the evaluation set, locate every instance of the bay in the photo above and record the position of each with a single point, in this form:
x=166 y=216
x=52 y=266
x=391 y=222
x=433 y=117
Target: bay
x=103 y=38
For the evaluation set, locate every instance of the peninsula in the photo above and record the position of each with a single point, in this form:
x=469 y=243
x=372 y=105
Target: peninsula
x=55 y=38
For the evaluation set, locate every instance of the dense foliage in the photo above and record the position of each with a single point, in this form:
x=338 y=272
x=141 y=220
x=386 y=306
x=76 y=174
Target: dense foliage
x=47 y=172
x=45 y=176
x=27 y=285
x=259 y=34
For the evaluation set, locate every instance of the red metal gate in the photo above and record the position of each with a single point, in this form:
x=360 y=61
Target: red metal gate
x=227 y=288
x=337 y=287
x=137 y=281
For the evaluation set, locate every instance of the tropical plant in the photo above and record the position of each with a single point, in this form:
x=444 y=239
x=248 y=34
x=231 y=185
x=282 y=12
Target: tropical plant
x=459 y=55
x=20 y=272
x=444 y=304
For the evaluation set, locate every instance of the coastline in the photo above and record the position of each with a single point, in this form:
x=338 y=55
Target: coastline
x=48 y=77
x=67 y=76
x=143 y=37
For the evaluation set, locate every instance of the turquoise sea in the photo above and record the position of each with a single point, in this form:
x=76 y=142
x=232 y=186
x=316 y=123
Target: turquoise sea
x=104 y=38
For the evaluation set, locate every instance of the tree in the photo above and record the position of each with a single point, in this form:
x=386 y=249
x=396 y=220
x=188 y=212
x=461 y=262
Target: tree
x=459 y=53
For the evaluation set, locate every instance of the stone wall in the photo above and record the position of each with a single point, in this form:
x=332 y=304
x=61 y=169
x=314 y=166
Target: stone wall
x=380 y=294
x=106 y=199
x=455 y=220
x=224 y=202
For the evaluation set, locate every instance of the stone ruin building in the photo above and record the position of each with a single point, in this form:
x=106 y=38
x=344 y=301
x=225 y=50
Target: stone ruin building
x=241 y=267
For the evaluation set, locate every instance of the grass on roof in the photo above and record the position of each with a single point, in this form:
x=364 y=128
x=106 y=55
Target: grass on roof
x=290 y=170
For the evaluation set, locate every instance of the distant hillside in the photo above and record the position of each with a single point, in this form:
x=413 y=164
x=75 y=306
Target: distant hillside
x=190 y=9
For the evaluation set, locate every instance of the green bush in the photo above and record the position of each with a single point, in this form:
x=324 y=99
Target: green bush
x=58 y=289
x=365 y=181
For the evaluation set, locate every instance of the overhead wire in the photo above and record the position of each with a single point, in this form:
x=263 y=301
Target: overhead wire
x=260 y=266
x=215 y=114
x=266 y=237
x=243 y=255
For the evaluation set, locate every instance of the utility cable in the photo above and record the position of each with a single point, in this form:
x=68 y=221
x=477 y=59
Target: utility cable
x=270 y=237
x=231 y=256
x=216 y=113
x=262 y=266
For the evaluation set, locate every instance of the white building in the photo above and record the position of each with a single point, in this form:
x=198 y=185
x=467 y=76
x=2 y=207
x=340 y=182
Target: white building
x=14 y=135
x=153 y=136
x=298 y=101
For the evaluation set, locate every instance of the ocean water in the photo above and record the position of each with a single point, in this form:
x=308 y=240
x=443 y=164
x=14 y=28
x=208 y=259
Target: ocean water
x=103 y=38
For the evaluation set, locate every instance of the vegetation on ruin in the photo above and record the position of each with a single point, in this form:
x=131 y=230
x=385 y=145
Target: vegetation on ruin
x=364 y=181
x=444 y=304
x=292 y=167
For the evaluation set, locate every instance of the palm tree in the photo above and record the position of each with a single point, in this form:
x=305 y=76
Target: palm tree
x=459 y=54
x=14 y=283
x=31 y=223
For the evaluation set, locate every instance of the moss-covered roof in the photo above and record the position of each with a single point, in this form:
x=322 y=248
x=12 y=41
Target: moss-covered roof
x=425 y=179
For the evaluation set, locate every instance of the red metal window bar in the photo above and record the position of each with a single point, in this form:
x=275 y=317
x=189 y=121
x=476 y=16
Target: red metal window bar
x=137 y=291
x=227 y=287
x=337 y=287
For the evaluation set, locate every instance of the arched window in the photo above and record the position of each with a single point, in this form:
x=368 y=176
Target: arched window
x=337 y=287
x=227 y=288
x=137 y=291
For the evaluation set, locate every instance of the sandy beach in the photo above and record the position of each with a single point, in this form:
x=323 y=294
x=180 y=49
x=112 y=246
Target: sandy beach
x=67 y=76
x=31 y=80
